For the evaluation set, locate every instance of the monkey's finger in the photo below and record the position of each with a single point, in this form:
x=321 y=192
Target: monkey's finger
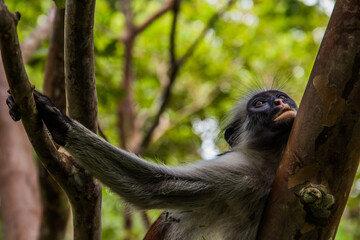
x=14 y=110
x=37 y=94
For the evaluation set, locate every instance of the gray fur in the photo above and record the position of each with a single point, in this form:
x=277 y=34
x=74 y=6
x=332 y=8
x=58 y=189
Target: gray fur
x=218 y=199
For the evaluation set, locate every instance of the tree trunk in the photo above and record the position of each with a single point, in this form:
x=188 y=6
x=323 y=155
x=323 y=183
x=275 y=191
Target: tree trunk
x=322 y=155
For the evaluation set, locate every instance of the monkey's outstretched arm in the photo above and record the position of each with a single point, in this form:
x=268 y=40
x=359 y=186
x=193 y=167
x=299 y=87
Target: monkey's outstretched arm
x=139 y=182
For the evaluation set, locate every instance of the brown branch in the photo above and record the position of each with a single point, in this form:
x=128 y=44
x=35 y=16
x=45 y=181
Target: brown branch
x=79 y=63
x=209 y=24
x=21 y=90
x=167 y=6
x=38 y=35
x=82 y=106
x=175 y=65
x=172 y=76
x=128 y=124
x=102 y=134
x=126 y=109
x=54 y=200
x=126 y=120
x=323 y=151
x=187 y=111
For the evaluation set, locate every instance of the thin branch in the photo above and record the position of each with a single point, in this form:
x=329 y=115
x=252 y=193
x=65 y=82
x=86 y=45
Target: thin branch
x=102 y=134
x=187 y=111
x=172 y=76
x=126 y=108
x=167 y=6
x=129 y=18
x=172 y=48
x=128 y=124
x=209 y=24
x=176 y=64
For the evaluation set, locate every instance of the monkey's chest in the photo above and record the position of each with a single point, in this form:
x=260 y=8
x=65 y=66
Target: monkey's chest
x=218 y=223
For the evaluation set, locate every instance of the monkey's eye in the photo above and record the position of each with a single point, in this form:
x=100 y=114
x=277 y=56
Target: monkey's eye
x=282 y=97
x=258 y=103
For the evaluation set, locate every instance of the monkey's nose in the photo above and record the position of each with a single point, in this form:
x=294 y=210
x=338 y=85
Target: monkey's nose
x=278 y=102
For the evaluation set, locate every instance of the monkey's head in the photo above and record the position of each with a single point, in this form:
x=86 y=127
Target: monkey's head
x=263 y=120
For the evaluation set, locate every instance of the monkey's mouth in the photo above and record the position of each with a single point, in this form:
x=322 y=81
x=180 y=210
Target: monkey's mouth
x=285 y=114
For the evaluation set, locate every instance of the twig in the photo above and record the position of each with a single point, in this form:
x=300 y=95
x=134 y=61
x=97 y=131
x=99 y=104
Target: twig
x=209 y=24
x=167 y=6
x=175 y=66
x=172 y=76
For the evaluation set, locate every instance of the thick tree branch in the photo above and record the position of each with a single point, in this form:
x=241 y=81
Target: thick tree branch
x=81 y=101
x=325 y=156
x=54 y=200
x=21 y=90
x=79 y=64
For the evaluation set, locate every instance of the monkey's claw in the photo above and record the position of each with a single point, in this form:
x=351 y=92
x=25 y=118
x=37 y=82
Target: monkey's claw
x=14 y=110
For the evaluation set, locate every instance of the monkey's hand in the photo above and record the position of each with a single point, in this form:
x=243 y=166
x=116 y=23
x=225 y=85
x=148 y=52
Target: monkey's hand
x=14 y=109
x=56 y=122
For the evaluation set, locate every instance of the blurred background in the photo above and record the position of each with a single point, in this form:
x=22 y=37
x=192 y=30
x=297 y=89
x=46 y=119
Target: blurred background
x=220 y=49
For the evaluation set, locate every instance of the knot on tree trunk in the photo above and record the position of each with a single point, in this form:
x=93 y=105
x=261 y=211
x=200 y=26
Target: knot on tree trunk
x=317 y=203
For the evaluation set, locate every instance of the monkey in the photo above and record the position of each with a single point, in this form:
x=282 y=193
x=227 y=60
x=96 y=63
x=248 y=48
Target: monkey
x=218 y=199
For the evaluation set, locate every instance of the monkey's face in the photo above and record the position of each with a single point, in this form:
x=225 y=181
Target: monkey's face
x=271 y=111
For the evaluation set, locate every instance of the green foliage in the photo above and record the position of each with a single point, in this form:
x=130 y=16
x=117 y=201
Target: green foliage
x=252 y=40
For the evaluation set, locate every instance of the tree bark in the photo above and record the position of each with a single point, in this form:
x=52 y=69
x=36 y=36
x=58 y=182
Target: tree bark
x=83 y=192
x=322 y=154
x=81 y=102
x=54 y=200
x=19 y=188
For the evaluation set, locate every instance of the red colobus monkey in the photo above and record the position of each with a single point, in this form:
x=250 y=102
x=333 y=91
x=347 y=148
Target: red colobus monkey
x=218 y=199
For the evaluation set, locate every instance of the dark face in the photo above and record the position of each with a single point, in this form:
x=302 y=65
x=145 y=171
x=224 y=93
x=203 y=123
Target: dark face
x=270 y=114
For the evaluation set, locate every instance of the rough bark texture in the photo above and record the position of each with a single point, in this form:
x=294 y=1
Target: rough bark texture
x=54 y=200
x=81 y=102
x=85 y=198
x=323 y=149
x=19 y=188
x=21 y=90
x=79 y=65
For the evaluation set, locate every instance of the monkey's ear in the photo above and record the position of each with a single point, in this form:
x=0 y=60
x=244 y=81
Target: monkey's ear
x=228 y=135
